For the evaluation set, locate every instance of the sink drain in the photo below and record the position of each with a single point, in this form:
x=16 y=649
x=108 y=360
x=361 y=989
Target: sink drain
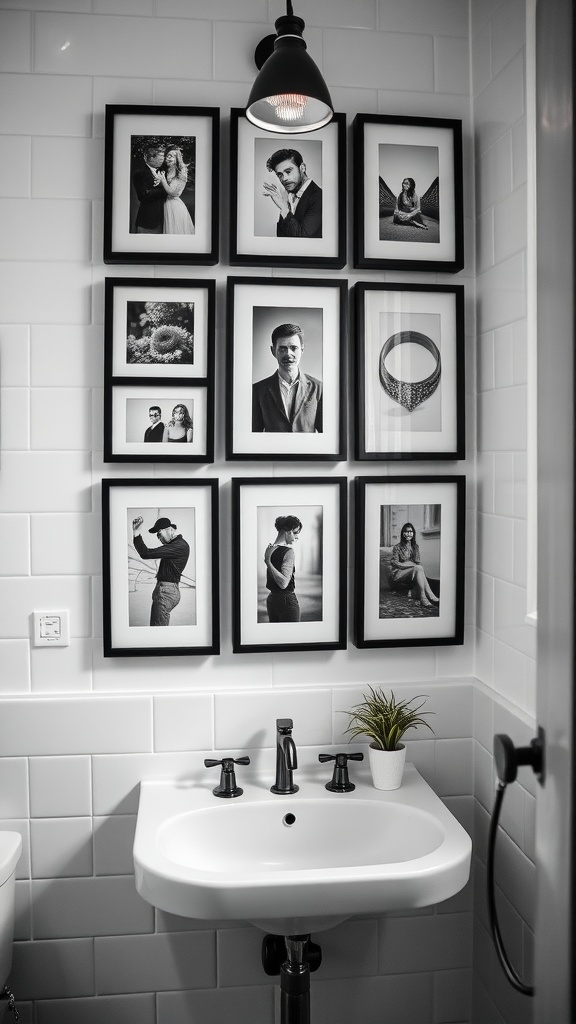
x=288 y=819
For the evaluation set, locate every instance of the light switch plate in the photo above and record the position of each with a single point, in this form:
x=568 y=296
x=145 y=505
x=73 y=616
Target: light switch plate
x=51 y=629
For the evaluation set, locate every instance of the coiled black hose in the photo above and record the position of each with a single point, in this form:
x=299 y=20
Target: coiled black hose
x=509 y=971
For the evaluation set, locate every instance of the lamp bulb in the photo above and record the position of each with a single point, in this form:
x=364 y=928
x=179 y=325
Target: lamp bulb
x=288 y=106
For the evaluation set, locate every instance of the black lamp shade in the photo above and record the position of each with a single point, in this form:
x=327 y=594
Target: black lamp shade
x=289 y=94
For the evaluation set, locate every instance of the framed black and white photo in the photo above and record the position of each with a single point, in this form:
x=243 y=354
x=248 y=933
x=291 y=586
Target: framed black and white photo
x=151 y=421
x=160 y=567
x=288 y=195
x=285 y=380
x=159 y=370
x=159 y=327
x=408 y=212
x=289 y=564
x=409 y=371
x=161 y=178
x=409 y=582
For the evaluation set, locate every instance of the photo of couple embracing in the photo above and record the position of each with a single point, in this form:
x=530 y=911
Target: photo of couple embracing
x=162 y=176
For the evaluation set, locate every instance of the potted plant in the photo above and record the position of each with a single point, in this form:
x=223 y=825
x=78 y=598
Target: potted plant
x=385 y=720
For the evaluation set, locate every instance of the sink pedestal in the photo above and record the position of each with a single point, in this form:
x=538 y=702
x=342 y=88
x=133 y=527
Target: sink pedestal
x=293 y=957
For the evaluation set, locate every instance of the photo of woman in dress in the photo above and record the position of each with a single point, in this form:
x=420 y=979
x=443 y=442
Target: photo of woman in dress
x=163 y=184
x=281 y=603
x=409 y=571
x=406 y=568
x=180 y=427
x=408 y=213
x=288 y=549
x=407 y=209
x=173 y=177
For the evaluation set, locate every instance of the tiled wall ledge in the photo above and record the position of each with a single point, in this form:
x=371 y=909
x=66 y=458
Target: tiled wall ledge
x=63 y=745
x=33 y=725
x=82 y=669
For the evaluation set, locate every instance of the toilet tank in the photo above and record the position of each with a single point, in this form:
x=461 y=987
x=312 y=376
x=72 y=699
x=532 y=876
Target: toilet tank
x=10 y=849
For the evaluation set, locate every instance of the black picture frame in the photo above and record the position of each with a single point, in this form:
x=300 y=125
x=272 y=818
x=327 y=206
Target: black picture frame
x=320 y=503
x=388 y=611
x=315 y=236
x=193 y=626
x=134 y=226
x=158 y=352
x=426 y=232
x=403 y=417
x=257 y=426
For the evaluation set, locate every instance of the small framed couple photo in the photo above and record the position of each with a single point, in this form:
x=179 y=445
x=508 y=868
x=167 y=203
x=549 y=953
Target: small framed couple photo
x=158 y=370
x=408 y=212
x=286 y=380
x=409 y=582
x=289 y=564
x=160 y=567
x=409 y=371
x=161 y=178
x=288 y=196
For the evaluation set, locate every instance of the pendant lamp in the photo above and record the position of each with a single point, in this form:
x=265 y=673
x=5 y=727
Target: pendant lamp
x=289 y=94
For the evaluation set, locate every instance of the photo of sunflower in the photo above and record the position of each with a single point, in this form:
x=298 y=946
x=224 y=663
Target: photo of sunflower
x=160 y=332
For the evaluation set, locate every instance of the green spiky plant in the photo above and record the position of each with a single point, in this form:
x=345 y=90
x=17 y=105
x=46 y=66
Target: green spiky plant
x=384 y=719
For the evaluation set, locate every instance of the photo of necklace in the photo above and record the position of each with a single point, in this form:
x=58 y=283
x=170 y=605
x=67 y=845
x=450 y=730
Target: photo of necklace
x=409 y=393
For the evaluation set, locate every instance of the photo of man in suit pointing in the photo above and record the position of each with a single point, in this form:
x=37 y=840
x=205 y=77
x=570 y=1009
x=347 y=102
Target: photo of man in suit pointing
x=297 y=196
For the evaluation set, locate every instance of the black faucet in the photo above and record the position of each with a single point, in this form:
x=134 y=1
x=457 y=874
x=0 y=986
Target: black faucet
x=227 y=786
x=286 y=758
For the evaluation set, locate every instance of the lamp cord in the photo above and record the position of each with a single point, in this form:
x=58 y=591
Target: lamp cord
x=289 y=9
x=509 y=971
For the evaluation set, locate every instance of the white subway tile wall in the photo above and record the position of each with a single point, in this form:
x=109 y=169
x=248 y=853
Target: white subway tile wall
x=113 y=842
x=14 y=795
x=60 y=786
x=138 y=1009
x=498 y=41
x=213 y=1007
x=66 y=356
x=14 y=666
x=78 y=732
x=61 y=847
x=15 y=28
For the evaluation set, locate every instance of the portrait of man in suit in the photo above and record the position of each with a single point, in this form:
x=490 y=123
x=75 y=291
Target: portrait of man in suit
x=151 y=196
x=290 y=401
x=154 y=433
x=297 y=196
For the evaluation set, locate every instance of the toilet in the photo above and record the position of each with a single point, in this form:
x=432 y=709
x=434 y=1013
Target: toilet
x=10 y=849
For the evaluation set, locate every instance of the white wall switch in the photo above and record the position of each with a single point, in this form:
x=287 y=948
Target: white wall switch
x=51 y=629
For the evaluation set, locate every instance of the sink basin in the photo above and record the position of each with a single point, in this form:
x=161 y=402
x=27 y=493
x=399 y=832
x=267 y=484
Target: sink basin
x=301 y=863
x=10 y=849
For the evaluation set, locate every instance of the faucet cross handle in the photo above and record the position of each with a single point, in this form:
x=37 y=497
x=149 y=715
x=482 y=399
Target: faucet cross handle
x=227 y=786
x=340 y=781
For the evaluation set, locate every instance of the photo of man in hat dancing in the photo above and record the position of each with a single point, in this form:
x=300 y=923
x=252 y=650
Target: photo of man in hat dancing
x=173 y=555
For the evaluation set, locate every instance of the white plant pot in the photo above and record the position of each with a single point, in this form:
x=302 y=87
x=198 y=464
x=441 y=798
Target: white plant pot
x=387 y=766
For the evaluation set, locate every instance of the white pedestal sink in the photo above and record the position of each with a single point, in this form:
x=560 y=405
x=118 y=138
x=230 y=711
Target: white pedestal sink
x=10 y=849
x=301 y=863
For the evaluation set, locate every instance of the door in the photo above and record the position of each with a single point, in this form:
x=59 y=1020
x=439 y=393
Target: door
x=554 y=995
